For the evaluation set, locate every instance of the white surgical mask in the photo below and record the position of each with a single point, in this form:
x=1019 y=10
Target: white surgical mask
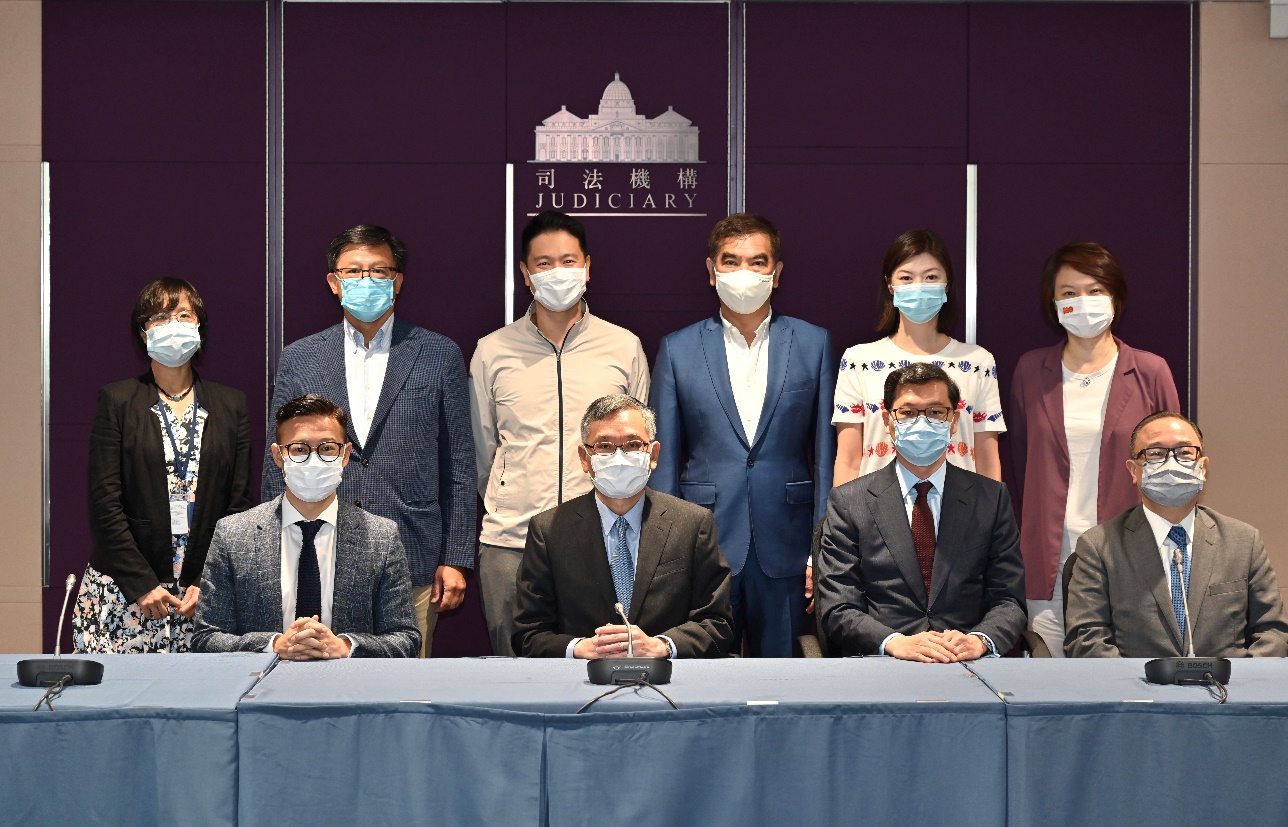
x=314 y=479
x=558 y=288
x=173 y=343
x=744 y=291
x=1085 y=316
x=1170 y=483
x=620 y=475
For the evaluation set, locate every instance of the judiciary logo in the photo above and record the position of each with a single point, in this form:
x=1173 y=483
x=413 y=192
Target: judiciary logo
x=618 y=162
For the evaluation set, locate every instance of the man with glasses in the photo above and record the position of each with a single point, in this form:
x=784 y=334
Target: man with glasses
x=1171 y=578
x=654 y=554
x=405 y=393
x=921 y=559
x=306 y=576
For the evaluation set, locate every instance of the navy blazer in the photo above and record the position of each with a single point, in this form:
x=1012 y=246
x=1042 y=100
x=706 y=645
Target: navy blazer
x=773 y=483
x=417 y=466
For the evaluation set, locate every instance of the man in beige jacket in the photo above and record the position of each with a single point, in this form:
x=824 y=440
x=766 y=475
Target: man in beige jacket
x=530 y=381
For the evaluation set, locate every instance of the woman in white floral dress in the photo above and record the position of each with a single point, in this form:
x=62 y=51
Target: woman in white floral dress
x=169 y=456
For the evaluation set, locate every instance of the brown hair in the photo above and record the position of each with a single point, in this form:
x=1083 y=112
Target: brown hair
x=1090 y=259
x=743 y=224
x=309 y=405
x=162 y=296
x=910 y=245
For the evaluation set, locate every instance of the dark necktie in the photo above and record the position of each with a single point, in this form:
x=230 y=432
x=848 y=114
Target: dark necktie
x=923 y=534
x=1180 y=591
x=308 y=580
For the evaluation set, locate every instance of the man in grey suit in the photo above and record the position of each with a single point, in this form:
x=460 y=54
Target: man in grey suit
x=655 y=554
x=306 y=576
x=921 y=559
x=1129 y=574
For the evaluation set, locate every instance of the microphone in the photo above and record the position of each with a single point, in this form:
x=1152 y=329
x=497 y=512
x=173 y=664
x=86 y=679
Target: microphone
x=55 y=670
x=630 y=638
x=630 y=669
x=1178 y=560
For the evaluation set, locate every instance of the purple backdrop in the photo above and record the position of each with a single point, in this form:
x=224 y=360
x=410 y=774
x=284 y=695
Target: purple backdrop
x=860 y=120
x=154 y=130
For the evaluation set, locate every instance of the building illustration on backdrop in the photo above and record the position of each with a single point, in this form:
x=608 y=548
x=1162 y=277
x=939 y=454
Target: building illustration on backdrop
x=616 y=134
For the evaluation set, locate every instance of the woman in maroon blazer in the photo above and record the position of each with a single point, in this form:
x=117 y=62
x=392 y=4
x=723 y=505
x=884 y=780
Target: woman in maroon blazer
x=1073 y=408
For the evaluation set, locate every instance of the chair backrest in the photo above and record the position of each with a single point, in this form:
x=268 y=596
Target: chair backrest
x=1065 y=574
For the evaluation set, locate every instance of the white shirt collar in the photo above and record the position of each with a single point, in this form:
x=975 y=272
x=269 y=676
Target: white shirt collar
x=732 y=333
x=907 y=479
x=379 y=342
x=329 y=515
x=1161 y=527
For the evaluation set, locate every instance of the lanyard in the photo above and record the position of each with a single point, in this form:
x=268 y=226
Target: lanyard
x=181 y=469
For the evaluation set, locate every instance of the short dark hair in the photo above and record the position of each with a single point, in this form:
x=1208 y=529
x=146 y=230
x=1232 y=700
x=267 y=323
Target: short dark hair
x=162 y=296
x=366 y=235
x=608 y=406
x=553 y=221
x=310 y=405
x=1090 y=259
x=919 y=373
x=910 y=245
x=742 y=224
x=1154 y=417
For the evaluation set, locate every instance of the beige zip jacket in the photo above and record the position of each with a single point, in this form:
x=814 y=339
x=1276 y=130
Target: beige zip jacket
x=527 y=398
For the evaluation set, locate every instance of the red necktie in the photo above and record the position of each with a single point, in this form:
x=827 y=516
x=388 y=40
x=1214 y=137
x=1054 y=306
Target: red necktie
x=923 y=534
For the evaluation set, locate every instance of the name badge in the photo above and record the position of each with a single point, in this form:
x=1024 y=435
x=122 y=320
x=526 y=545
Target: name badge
x=179 y=517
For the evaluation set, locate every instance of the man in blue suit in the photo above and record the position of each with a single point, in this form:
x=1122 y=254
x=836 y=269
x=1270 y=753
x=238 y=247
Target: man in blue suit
x=744 y=406
x=404 y=390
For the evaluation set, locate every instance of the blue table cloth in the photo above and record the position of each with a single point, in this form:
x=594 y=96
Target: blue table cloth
x=155 y=743
x=1089 y=742
x=496 y=741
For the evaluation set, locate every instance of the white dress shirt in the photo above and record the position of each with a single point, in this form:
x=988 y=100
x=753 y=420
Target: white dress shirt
x=1161 y=527
x=324 y=545
x=748 y=371
x=364 y=373
x=935 y=499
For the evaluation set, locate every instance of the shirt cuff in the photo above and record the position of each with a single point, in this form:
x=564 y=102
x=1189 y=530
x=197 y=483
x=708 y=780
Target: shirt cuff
x=271 y=641
x=572 y=644
x=988 y=642
x=881 y=651
x=670 y=645
x=353 y=645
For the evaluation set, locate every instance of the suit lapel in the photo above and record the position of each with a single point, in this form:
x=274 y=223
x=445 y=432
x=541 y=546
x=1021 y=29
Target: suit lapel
x=892 y=521
x=402 y=358
x=1121 y=390
x=268 y=553
x=955 y=517
x=1053 y=398
x=1202 y=561
x=589 y=542
x=655 y=528
x=334 y=382
x=346 y=583
x=1142 y=555
x=780 y=350
x=713 y=348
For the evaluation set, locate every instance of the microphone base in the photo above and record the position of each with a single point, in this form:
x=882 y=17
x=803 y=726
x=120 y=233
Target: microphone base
x=1187 y=670
x=629 y=670
x=49 y=671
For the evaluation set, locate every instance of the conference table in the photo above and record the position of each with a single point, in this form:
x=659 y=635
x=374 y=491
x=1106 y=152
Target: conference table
x=154 y=743
x=499 y=741
x=1090 y=742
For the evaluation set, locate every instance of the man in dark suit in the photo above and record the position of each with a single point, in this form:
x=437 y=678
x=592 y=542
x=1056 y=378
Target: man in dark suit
x=1129 y=573
x=921 y=560
x=622 y=543
x=305 y=575
x=744 y=404
x=404 y=390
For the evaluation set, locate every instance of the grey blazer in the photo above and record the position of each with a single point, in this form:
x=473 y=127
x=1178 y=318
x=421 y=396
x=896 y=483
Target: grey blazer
x=869 y=581
x=1120 y=604
x=241 y=588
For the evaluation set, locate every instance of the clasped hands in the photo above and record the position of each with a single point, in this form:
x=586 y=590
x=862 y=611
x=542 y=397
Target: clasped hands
x=610 y=642
x=950 y=646
x=308 y=639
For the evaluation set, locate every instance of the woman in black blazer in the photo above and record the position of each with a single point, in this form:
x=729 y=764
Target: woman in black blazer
x=169 y=455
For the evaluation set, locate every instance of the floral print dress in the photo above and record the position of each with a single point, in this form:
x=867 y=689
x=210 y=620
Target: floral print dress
x=104 y=621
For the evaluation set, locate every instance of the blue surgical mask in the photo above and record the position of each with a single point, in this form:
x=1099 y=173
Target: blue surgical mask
x=922 y=441
x=920 y=302
x=366 y=298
